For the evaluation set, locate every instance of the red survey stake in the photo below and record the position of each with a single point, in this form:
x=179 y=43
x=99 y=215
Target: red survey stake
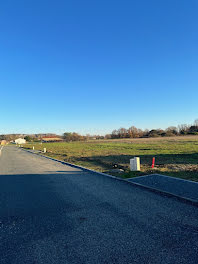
x=153 y=162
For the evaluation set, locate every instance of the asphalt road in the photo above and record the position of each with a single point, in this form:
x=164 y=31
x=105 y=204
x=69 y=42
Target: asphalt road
x=53 y=213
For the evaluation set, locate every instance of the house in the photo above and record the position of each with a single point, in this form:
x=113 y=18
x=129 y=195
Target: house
x=20 y=141
x=52 y=139
x=3 y=142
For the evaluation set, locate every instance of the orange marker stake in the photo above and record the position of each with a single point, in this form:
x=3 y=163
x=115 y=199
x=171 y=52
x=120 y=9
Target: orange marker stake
x=153 y=162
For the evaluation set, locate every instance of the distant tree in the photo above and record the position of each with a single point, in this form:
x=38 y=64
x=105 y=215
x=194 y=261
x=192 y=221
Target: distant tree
x=133 y=132
x=114 y=134
x=168 y=134
x=193 y=130
x=28 y=138
x=156 y=133
x=196 y=122
x=183 y=129
x=145 y=133
x=68 y=136
x=171 y=131
x=122 y=132
x=108 y=136
x=2 y=137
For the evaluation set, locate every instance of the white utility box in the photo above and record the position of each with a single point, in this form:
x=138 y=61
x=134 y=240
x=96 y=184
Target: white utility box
x=135 y=164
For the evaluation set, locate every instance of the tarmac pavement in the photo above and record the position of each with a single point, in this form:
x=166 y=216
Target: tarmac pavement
x=54 y=213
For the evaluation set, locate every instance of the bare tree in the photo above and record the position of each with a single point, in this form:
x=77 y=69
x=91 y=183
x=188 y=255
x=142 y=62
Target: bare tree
x=196 y=122
x=172 y=130
x=183 y=129
x=122 y=132
x=133 y=132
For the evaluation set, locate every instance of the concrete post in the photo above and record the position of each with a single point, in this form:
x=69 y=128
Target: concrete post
x=44 y=150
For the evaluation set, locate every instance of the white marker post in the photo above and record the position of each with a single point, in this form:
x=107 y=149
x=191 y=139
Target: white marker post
x=33 y=147
x=44 y=150
x=1 y=150
x=135 y=164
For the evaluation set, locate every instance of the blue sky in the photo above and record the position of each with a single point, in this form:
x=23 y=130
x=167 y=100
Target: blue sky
x=92 y=66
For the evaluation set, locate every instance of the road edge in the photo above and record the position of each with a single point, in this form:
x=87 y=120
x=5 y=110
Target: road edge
x=151 y=189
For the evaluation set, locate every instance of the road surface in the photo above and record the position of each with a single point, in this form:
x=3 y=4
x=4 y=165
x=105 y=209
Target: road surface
x=53 y=213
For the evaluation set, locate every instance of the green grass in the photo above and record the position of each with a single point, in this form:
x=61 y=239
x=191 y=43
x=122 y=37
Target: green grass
x=176 y=157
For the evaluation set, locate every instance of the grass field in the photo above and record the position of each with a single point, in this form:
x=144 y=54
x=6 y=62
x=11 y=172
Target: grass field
x=175 y=156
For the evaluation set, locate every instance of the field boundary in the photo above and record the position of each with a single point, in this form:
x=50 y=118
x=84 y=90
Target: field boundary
x=151 y=189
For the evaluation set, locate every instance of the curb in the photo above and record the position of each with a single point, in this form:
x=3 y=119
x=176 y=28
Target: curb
x=138 y=185
x=72 y=165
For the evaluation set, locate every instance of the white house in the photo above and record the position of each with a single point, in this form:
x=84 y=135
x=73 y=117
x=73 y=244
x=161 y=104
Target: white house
x=20 y=141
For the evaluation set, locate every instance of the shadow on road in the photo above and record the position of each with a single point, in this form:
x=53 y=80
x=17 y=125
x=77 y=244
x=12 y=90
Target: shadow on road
x=34 y=207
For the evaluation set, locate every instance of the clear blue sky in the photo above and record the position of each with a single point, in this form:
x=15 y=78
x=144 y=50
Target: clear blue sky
x=92 y=66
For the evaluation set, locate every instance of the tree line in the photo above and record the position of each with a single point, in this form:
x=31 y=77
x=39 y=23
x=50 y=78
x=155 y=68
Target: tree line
x=131 y=132
x=134 y=132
